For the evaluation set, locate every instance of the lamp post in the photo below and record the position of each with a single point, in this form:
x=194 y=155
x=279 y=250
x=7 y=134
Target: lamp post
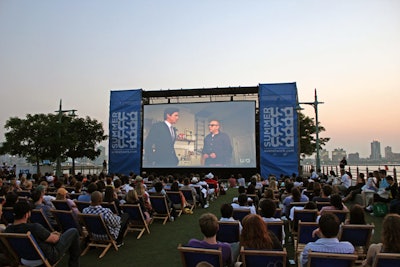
x=315 y=105
x=60 y=112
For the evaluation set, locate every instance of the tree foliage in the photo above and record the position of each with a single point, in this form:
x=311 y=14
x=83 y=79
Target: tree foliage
x=83 y=136
x=307 y=135
x=46 y=136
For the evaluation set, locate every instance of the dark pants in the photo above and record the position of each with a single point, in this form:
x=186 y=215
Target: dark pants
x=124 y=226
x=69 y=241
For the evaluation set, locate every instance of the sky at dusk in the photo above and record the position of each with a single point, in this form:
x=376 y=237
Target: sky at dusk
x=78 y=51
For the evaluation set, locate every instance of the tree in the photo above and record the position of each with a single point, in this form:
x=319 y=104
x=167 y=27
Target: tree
x=32 y=138
x=45 y=137
x=307 y=135
x=83 y=135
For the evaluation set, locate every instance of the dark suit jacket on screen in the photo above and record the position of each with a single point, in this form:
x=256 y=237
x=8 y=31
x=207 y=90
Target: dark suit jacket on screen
x=159 y=146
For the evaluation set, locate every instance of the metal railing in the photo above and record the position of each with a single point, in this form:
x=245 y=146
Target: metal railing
x=355 y=170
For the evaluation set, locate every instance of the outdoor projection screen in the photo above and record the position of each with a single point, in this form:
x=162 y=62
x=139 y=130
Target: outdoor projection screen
x=236 y=119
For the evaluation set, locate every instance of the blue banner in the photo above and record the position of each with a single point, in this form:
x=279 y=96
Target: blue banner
x=125 y=131
x=278 y=129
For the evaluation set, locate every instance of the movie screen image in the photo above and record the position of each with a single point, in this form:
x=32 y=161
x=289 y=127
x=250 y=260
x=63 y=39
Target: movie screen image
x=212 y=134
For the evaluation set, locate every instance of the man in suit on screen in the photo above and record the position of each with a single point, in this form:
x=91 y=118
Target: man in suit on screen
x=159 y=144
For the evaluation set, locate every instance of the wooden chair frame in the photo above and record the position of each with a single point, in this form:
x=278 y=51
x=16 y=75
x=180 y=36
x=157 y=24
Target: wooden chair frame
x=359 y=235
x=341 y=214
x=160 y=207
x=304 y=235
x=276 y=227
x=37 y=216
x=239 y=214
x=137 y=221
x=321 y=204
x=175 y=197
x=304 y=215
x=106 y=242
x=81 y=205
x=8 y=215
x=61 y=204
x=262 y=257
x=211 y=256
x=386 y=260
x=330 y=259
x=22 y=245
x=189 y=198
x=229 y=231
x=66 y=220
x=111 y=206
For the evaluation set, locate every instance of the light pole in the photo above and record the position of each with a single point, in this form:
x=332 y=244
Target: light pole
x=315 y=105
x=60 y=111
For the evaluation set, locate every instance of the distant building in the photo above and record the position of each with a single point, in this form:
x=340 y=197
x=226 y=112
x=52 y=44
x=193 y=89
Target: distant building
x=375 y=150
x=324 y=155
x=390 y=156
x=338 y=154
x=354 y=157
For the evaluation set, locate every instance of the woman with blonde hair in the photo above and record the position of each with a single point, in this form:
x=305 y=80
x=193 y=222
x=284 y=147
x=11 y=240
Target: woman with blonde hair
x=255 y=234
x=273 y=185
x=142 y=194
x=390 y=239
x=132 y=198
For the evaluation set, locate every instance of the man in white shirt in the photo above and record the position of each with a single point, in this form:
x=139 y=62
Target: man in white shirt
x=243 y=204
x=345 y=182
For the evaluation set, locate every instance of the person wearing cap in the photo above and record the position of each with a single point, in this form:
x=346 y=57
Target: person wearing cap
x=217 y=150
x=159 y=144
x=53 y=244
x=62 y=194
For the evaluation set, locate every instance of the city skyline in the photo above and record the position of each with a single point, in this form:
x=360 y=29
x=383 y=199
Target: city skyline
x=80 y=51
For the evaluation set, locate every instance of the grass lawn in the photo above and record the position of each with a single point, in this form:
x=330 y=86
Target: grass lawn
x=159 y=248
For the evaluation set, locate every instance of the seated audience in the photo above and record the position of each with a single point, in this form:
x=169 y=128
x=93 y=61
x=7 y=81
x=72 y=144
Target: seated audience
x=267 y=211
x=328 y=242
x=209 y=227
x=241 y=180
x=226 y=215
x=232 y=181
x=87 y=194
x=54 y=245
x=296 y=196
x=352 y=191
x=132 y=198
x=117 y=225
x=184 y=204
x=255 y=234
x=357 y=215
x=310 y=205
x=159 y=191
x=243 y=204
x=38 y=203
x=336 y=204
x=390 y=239
x=385 y=194
x=325 y=194
x=110 y=196
x=62 y=194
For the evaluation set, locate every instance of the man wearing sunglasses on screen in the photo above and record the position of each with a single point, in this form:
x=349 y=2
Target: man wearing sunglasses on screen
x=217 y=149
